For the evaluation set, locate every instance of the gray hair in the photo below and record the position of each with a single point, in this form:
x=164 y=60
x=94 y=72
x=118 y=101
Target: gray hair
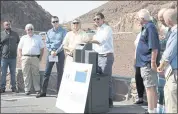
x=29 y=26
x=145 y=14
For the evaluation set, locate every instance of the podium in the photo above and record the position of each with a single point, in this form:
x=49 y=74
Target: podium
x=98 y=92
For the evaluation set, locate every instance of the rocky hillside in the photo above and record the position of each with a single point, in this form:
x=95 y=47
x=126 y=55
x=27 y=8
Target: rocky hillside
x=23 y=12
x=121 y=14
x=121 y=17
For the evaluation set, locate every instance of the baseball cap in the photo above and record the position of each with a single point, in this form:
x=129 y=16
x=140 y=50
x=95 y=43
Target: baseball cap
x=76 y=21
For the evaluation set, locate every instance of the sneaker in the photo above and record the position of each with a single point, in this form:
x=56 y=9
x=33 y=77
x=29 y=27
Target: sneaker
x=139 y=102
x=37 y=93
x=2 y=90
x=110 y=103
x=41 y=95
x=27 y=93
x=14 y=90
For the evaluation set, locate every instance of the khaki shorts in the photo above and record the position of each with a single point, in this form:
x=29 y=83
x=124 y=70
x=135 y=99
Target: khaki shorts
x=150 y=77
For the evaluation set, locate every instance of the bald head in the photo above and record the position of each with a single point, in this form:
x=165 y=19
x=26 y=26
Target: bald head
x=160 y=16
x=160 y=13
x=170 y=17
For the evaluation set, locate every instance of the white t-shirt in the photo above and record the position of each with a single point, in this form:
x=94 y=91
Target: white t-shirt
x=136 y=42
x=137 y=39
x=105 y=38
x=31 y=46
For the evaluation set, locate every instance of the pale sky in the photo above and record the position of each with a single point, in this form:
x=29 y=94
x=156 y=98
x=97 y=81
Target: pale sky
x=69 y=10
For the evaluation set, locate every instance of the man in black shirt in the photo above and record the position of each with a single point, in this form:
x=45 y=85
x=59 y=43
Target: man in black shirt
x=8 y=44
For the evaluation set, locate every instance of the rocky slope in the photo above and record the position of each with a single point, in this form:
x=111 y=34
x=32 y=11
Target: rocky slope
x=23 y=12
x=121 y=14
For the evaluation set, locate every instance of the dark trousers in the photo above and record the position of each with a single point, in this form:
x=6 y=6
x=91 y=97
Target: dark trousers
x=49 y=66
x=105 y=67
x=139 y=82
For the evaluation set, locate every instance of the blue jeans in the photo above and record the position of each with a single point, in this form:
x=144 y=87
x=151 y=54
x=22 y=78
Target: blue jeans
x=49 y=66
x=5 y=63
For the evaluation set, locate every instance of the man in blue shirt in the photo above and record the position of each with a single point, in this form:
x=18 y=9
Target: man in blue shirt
x=54 y=41
x=169 y=62
x=147 y=57
x=164 y=32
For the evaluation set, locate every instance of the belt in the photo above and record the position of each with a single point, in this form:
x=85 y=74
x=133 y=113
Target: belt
x=107 y=54
x=32 y=55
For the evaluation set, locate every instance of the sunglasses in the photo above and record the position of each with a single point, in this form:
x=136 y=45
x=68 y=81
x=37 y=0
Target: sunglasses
x=96 y=19
x=75 y=23
x=55 y=21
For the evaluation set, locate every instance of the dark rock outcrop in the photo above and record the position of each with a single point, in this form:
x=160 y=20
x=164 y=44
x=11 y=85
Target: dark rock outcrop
x=23 y=12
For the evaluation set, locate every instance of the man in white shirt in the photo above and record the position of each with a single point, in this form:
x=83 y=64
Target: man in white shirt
x=31 y=49
x=103 y=44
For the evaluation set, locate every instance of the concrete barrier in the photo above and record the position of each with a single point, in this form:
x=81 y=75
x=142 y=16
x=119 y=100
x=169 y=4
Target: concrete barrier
x=124 y=88
x=20 y=82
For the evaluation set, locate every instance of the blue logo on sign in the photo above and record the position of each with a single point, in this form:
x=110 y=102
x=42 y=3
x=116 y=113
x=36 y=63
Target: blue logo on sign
x=80 y=76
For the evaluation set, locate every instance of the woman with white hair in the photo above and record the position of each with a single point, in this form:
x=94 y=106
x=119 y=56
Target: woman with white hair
x=30 y=51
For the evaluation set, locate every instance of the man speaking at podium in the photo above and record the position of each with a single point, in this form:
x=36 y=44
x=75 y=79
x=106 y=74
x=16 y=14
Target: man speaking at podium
x=103 y=45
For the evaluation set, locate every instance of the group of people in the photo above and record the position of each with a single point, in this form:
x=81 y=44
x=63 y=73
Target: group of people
x=60 y=43
x=156 y=60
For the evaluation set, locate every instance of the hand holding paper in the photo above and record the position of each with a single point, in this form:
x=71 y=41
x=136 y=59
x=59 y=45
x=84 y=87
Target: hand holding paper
x=53 y=58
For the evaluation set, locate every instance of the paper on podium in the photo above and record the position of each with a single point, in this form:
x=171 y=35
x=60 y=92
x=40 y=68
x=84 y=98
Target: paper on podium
x=53 y=58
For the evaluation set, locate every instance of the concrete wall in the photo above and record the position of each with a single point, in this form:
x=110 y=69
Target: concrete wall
x=124 y=88
x=20 y=82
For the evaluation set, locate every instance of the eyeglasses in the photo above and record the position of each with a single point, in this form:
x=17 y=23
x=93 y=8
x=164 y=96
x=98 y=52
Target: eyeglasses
x=55 y=21
x=29 y=29
x=75 y=23
x=7 y=24
x=96 y=19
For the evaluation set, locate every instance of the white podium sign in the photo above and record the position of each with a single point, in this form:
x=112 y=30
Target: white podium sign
x=74 y=87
